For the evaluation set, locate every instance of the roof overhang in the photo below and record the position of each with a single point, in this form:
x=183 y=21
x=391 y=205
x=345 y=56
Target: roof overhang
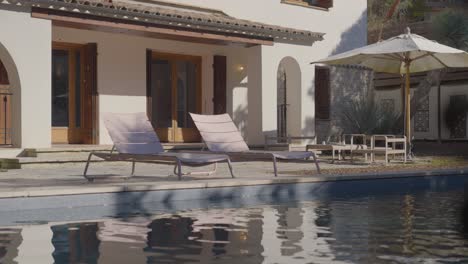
x=90 y=22
x=158 y=21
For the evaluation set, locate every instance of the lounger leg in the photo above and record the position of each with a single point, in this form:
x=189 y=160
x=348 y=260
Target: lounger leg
x=86 y=168
x=274 y=167
x=179 y=169
x=133 y=168
x=333 y=156
x=316 y=163
x=230 y=167
x=386 y=159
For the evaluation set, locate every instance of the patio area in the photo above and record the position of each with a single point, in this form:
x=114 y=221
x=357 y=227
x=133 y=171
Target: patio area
x=55 y=172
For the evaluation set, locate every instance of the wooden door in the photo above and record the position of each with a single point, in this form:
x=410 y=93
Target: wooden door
x=73 y=94
x=174 y=91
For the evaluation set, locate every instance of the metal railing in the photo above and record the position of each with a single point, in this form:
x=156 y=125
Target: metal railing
x=281 y=121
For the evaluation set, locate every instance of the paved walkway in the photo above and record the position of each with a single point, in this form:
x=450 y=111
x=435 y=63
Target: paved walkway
x=49 y=179
x=66 y=178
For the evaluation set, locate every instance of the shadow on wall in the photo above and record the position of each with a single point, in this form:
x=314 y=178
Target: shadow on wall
x=354 y=37
x=237 y=95
x=348 y=85
x=240 y=119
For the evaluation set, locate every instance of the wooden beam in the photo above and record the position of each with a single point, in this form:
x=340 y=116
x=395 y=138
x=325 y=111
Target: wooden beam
x=89 y=22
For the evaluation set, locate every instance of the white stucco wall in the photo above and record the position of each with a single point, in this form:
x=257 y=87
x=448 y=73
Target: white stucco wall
x=25 y=49
x=251 y=73
x=345 y=26
x=122 y=70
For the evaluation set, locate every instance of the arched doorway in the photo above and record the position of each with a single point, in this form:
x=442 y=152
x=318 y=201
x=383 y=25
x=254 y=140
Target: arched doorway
x=289 y=98
x=5 y=107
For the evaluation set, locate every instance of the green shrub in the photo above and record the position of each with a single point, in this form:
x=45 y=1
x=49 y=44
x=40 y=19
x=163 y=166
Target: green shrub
x=455 y=111
x=365 y=116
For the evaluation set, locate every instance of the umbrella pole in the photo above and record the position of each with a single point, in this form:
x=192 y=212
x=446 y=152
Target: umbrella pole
x=408 y=109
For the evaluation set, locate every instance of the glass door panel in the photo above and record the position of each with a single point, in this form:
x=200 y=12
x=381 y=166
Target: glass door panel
x=175 y=91
x=161 y=90
x=186 y=93
x=67 y=82
x=60 y=91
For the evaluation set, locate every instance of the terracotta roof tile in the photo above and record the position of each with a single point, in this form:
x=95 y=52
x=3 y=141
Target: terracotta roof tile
x=184 y=16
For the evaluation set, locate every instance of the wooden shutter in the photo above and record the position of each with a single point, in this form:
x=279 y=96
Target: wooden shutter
x=219 y=84
x=149 y=98
x=325 y=3
x=322 y=93
x=3 y=75
x=90 y=93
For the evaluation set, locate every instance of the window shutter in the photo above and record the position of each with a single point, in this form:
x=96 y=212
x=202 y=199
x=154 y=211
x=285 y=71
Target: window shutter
x=90 y=91
x=318 y=3
x=219 y=84
x=325 y=3
x=149 y=96
x=322 y=93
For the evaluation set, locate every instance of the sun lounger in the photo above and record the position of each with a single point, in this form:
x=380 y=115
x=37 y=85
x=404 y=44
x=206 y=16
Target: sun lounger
x=136 y=141
x=221 y=135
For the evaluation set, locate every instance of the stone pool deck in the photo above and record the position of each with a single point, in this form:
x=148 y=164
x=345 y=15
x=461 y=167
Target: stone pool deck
x=39 y=180
x=57 y=192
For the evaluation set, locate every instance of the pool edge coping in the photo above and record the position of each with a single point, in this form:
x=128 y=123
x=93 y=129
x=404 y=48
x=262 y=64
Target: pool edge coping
x=31 y=192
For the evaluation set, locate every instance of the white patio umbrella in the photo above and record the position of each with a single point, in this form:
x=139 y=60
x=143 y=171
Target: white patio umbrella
x=404 y=54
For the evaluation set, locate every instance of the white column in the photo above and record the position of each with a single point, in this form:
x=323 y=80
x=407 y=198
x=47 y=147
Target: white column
x=36 y=246
x=270 y=242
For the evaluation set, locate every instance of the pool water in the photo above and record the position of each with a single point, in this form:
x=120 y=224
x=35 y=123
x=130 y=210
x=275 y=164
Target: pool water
x=425 y=227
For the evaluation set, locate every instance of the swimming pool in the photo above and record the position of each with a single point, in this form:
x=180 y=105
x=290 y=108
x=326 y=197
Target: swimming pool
x=362 y=225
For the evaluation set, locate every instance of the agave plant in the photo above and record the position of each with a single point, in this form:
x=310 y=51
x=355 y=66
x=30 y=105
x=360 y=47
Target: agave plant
x=365 y=116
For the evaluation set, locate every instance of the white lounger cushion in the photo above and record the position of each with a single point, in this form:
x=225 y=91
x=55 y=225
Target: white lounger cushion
x=132 y=133
x=219 y=133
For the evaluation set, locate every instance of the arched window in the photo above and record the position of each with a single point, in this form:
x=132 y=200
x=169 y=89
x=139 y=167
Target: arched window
x=3 y=75
x=288 y=98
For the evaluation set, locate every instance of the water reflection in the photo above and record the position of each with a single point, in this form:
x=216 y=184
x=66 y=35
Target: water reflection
x=10 y=239
x=75 y=243
x=377 y=229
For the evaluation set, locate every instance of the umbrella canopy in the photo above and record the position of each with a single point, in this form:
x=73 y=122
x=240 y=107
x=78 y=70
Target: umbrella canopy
x=390 y=55
x=403 y=54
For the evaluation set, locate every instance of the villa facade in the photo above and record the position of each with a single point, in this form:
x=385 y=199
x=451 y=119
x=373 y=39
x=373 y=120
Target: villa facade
x=65 y=62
